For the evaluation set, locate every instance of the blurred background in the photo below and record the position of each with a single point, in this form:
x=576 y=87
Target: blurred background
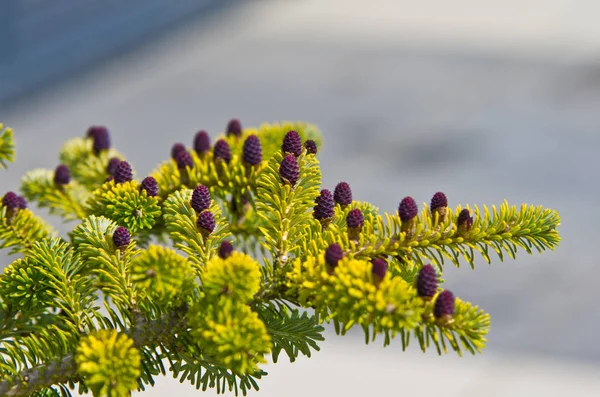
x=485 y=101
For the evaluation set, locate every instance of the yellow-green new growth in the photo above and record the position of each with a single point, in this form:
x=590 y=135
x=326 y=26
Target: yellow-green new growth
x=87 y=167
x=237 y=277
x=126 y=204
x=109 y=363
x=170 y=303
x=162 y=275
x=7 y=145
x=231 y=333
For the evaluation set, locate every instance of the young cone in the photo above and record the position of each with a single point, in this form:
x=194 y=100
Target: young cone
x=355 y=221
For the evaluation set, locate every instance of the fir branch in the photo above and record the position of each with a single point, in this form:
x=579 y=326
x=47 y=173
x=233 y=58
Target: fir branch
x=19 y=231
x=180 y=221
x=7 y=145
x=502 y=231
x=87 y=167
x=126 y=204
x=92 y=240
x=67 y=201
x=285 y=211
x=146 y=332
x=291 y=332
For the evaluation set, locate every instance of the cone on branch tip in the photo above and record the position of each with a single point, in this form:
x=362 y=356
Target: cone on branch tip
x=289 y=171
x=292 y=144
x=13 y=201
x=200 y=200
x=222 y=151
x=439 y=205
x=355 y=221
x=100 y=138
x=444 y=307
x=123 y=173
x=310 y=146
x=201 y=142
x=408 y=210
x=62 y=175
x=150 y=186
x=225 y=249
x=121 y=237
x=234 y=128
x=206 y=223
x=324 y=208
x=343 y=194
x=380 y=267
x=464 y=221
x=333 y=254
x=184 y=160
x=427 y=282
x=176 y=149
x=252 y=151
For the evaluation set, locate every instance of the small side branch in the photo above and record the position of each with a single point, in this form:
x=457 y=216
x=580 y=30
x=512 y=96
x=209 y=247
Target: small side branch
x=65 y=369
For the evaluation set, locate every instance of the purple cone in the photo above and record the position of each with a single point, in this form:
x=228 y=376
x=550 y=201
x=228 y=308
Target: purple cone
x=355 y=219
x=11 y=201
x=333 y=254
x=184 y=159
x=200 y=198
x=222 y=151
x=465 y=220
x=123 y=173
x=427 y=281
x=202 y=142
x=380 y=267
x=121 y=237
x=206 y=222
x=176 y=149
x=444 y=304
x=292 y=144
x=252 y=152
x=234 y=127
x=225 y=250
x=324 y=205
x=113 y=163
x=100 y=137
x=150 y=186
x=62 y=175
x=310 y=146
x=342 y=194
x=407 y=209
x=289 y=170
x=438 y=200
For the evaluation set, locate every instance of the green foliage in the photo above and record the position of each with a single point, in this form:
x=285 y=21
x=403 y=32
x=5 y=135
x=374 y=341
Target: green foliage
x=230 y=332
x=20 y=230
x=100 y=358
x=38 y=185
x=291 y=332
x=7 y=145
x=286 y=211
x=173 y=302
x=180 y=221
x=236 y=278
x=87 y=167
x=126 y=204
x=162 y=275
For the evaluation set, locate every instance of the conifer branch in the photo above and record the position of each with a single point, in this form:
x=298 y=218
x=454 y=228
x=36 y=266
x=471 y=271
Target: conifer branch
x=7 y=145
x=146 y=332
x=206 y=305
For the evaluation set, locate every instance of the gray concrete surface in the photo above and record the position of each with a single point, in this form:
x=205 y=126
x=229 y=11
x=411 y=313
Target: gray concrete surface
x=411 y=101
